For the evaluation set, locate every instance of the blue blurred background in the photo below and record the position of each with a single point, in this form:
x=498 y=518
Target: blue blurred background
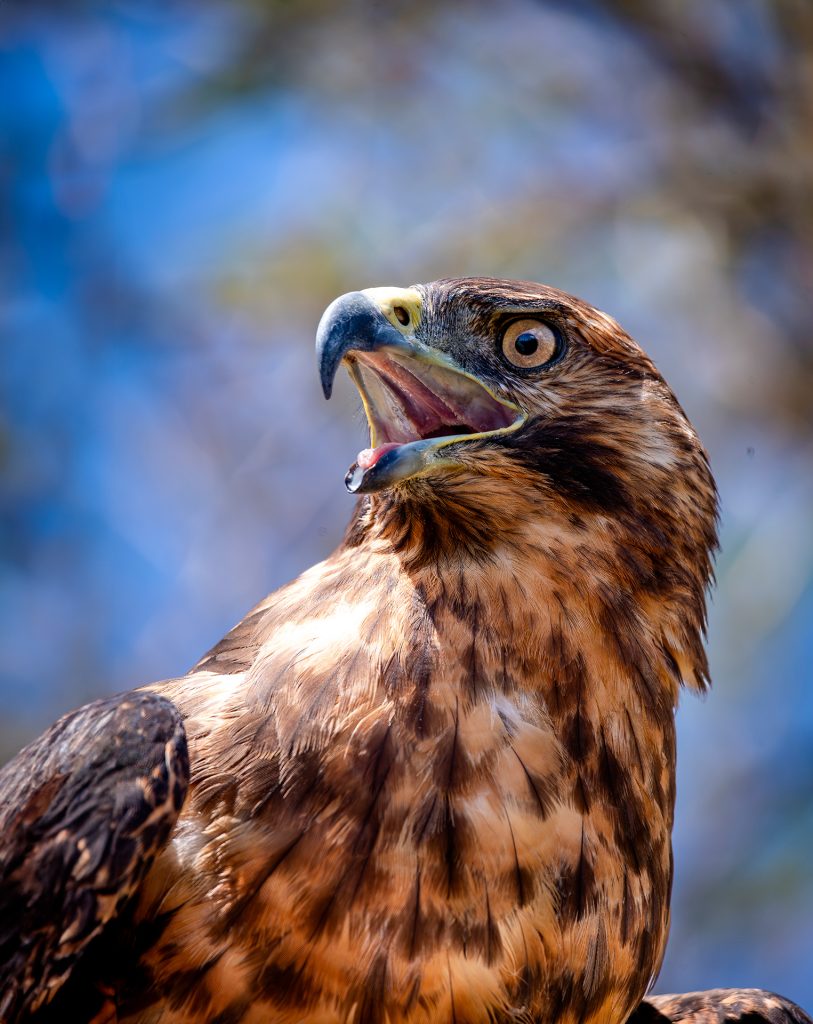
x=185 y=186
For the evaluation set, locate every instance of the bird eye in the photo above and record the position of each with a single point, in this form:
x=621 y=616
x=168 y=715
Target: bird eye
x=529 y=343
x=401 y=314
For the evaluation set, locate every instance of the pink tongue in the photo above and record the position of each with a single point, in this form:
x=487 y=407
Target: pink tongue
x=370 y=456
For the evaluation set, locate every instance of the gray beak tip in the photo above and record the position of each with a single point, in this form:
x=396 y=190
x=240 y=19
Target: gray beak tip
x=334 y=336
x=351 y=322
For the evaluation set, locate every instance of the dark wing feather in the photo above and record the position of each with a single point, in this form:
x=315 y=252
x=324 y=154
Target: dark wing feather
x=83 y=811
x=720 y=1006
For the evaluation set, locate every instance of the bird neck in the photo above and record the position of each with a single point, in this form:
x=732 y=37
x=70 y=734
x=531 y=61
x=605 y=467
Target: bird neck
x=621 y=588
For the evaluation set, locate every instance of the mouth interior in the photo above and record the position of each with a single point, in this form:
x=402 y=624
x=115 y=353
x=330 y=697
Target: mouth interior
x=408 y=399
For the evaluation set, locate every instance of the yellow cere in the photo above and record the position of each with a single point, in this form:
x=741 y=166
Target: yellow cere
x=401 y=306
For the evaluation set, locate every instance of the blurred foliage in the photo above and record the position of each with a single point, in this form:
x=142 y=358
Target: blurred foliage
x=185 y=187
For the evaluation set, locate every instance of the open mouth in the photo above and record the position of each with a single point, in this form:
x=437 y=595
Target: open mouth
x=412 y=402
x=418 y=401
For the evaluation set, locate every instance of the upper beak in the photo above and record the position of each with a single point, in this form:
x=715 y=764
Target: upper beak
x=354 y=322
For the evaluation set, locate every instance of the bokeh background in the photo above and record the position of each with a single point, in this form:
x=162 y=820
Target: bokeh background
x=185 y=186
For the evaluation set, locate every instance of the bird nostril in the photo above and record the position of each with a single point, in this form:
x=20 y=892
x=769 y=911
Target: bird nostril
x=401 y=315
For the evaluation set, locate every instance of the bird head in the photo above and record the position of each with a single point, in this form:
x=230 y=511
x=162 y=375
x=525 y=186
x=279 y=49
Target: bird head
x=490 y=378
x=511 y=413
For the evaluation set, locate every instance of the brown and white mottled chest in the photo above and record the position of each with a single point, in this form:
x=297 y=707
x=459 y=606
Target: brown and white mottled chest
x=434 y=798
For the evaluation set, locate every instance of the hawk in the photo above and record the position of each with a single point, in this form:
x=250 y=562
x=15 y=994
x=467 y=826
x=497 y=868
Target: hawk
x=433 y=778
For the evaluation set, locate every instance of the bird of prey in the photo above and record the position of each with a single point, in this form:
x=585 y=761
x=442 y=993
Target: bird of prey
x=432 y=779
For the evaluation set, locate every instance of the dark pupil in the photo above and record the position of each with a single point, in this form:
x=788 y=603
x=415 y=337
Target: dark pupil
x=527 y=343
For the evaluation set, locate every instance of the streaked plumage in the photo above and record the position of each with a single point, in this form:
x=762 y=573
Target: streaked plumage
x=432 y=779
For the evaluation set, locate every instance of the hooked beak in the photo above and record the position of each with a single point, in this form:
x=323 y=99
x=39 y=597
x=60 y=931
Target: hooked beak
x=417 y=400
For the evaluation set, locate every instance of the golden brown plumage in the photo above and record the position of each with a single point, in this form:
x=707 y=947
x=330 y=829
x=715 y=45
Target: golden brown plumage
x=433 y=778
